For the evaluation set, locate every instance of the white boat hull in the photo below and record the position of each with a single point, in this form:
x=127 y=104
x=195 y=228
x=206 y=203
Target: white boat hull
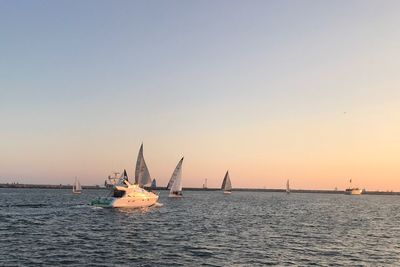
x=227 y=192
x=135 y=197
x=134 y=202
x=175 y=196
x=111 y=202
x=355 y=192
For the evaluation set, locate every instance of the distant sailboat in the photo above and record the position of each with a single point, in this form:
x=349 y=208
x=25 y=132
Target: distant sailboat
x=175 y=183
x=142 y=175
x=153 y=184
x=287 y=187
x=226 y=184
x=205 y=184
x=76 y=188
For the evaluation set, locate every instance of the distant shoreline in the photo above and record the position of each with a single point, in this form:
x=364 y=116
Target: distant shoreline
x=97 y=187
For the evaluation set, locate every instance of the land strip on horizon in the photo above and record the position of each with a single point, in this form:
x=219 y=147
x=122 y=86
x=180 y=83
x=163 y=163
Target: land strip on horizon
x=97 y=187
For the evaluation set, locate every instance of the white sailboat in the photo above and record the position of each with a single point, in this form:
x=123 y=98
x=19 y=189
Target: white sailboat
x=205 y=184
x=226 y=184
x=127 y=195
x=175 y=183
x=153 y=184
x=77 y=188
x=287 y=187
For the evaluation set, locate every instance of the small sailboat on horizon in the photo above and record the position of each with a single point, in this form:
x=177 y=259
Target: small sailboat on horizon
x=205 y=184
x=175 y=183
x=287 y=187
x=226 y=184
x=77 y=188
x=153 y=184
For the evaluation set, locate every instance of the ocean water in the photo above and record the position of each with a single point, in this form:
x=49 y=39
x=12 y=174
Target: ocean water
x=54 y=227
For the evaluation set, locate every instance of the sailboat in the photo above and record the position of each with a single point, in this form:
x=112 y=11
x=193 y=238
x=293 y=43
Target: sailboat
x=124 y=194
x=226 y=184
x=76 y=188
x=353 y=190
x=205 y=184
x=153 y=184
x=175 y=183
x=287 y=187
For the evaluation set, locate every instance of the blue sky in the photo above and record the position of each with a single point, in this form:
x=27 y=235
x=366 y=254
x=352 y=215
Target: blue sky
x=83 y=80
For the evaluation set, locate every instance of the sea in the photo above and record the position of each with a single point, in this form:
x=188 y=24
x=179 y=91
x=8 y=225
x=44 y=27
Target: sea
x=53 y=227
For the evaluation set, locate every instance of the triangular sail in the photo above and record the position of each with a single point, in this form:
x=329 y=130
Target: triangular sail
x=78 y=186
x=142 y=175
x=287 y=187
x=226 y=183
x=175 y=183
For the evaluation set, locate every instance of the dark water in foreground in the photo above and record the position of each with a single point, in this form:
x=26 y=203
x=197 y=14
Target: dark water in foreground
x=54 y=227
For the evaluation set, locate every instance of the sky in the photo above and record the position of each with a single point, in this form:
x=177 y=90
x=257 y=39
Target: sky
x=271 y=90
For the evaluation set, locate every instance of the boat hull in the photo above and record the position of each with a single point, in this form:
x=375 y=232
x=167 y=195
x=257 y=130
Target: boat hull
x=354 y=192
x=135 y=203
x=227 y=192
x=175 y=196
x=126 y=202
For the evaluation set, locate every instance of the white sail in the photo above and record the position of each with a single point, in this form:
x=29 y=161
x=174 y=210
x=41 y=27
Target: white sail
x=226 y=183
x=76 y=188
x=176 y=178
x=175 y=174
x=142 y=175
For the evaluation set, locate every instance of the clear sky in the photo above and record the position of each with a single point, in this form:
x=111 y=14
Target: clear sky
x=271 y=90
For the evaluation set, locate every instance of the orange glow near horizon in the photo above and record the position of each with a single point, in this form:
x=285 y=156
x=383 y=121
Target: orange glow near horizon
x=315 y=100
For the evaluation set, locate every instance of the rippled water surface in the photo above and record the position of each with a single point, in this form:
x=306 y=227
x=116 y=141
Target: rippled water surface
x=55 y=227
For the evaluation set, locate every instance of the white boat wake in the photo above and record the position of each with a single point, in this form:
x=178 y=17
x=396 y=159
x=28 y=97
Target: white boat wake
x=158 y=205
